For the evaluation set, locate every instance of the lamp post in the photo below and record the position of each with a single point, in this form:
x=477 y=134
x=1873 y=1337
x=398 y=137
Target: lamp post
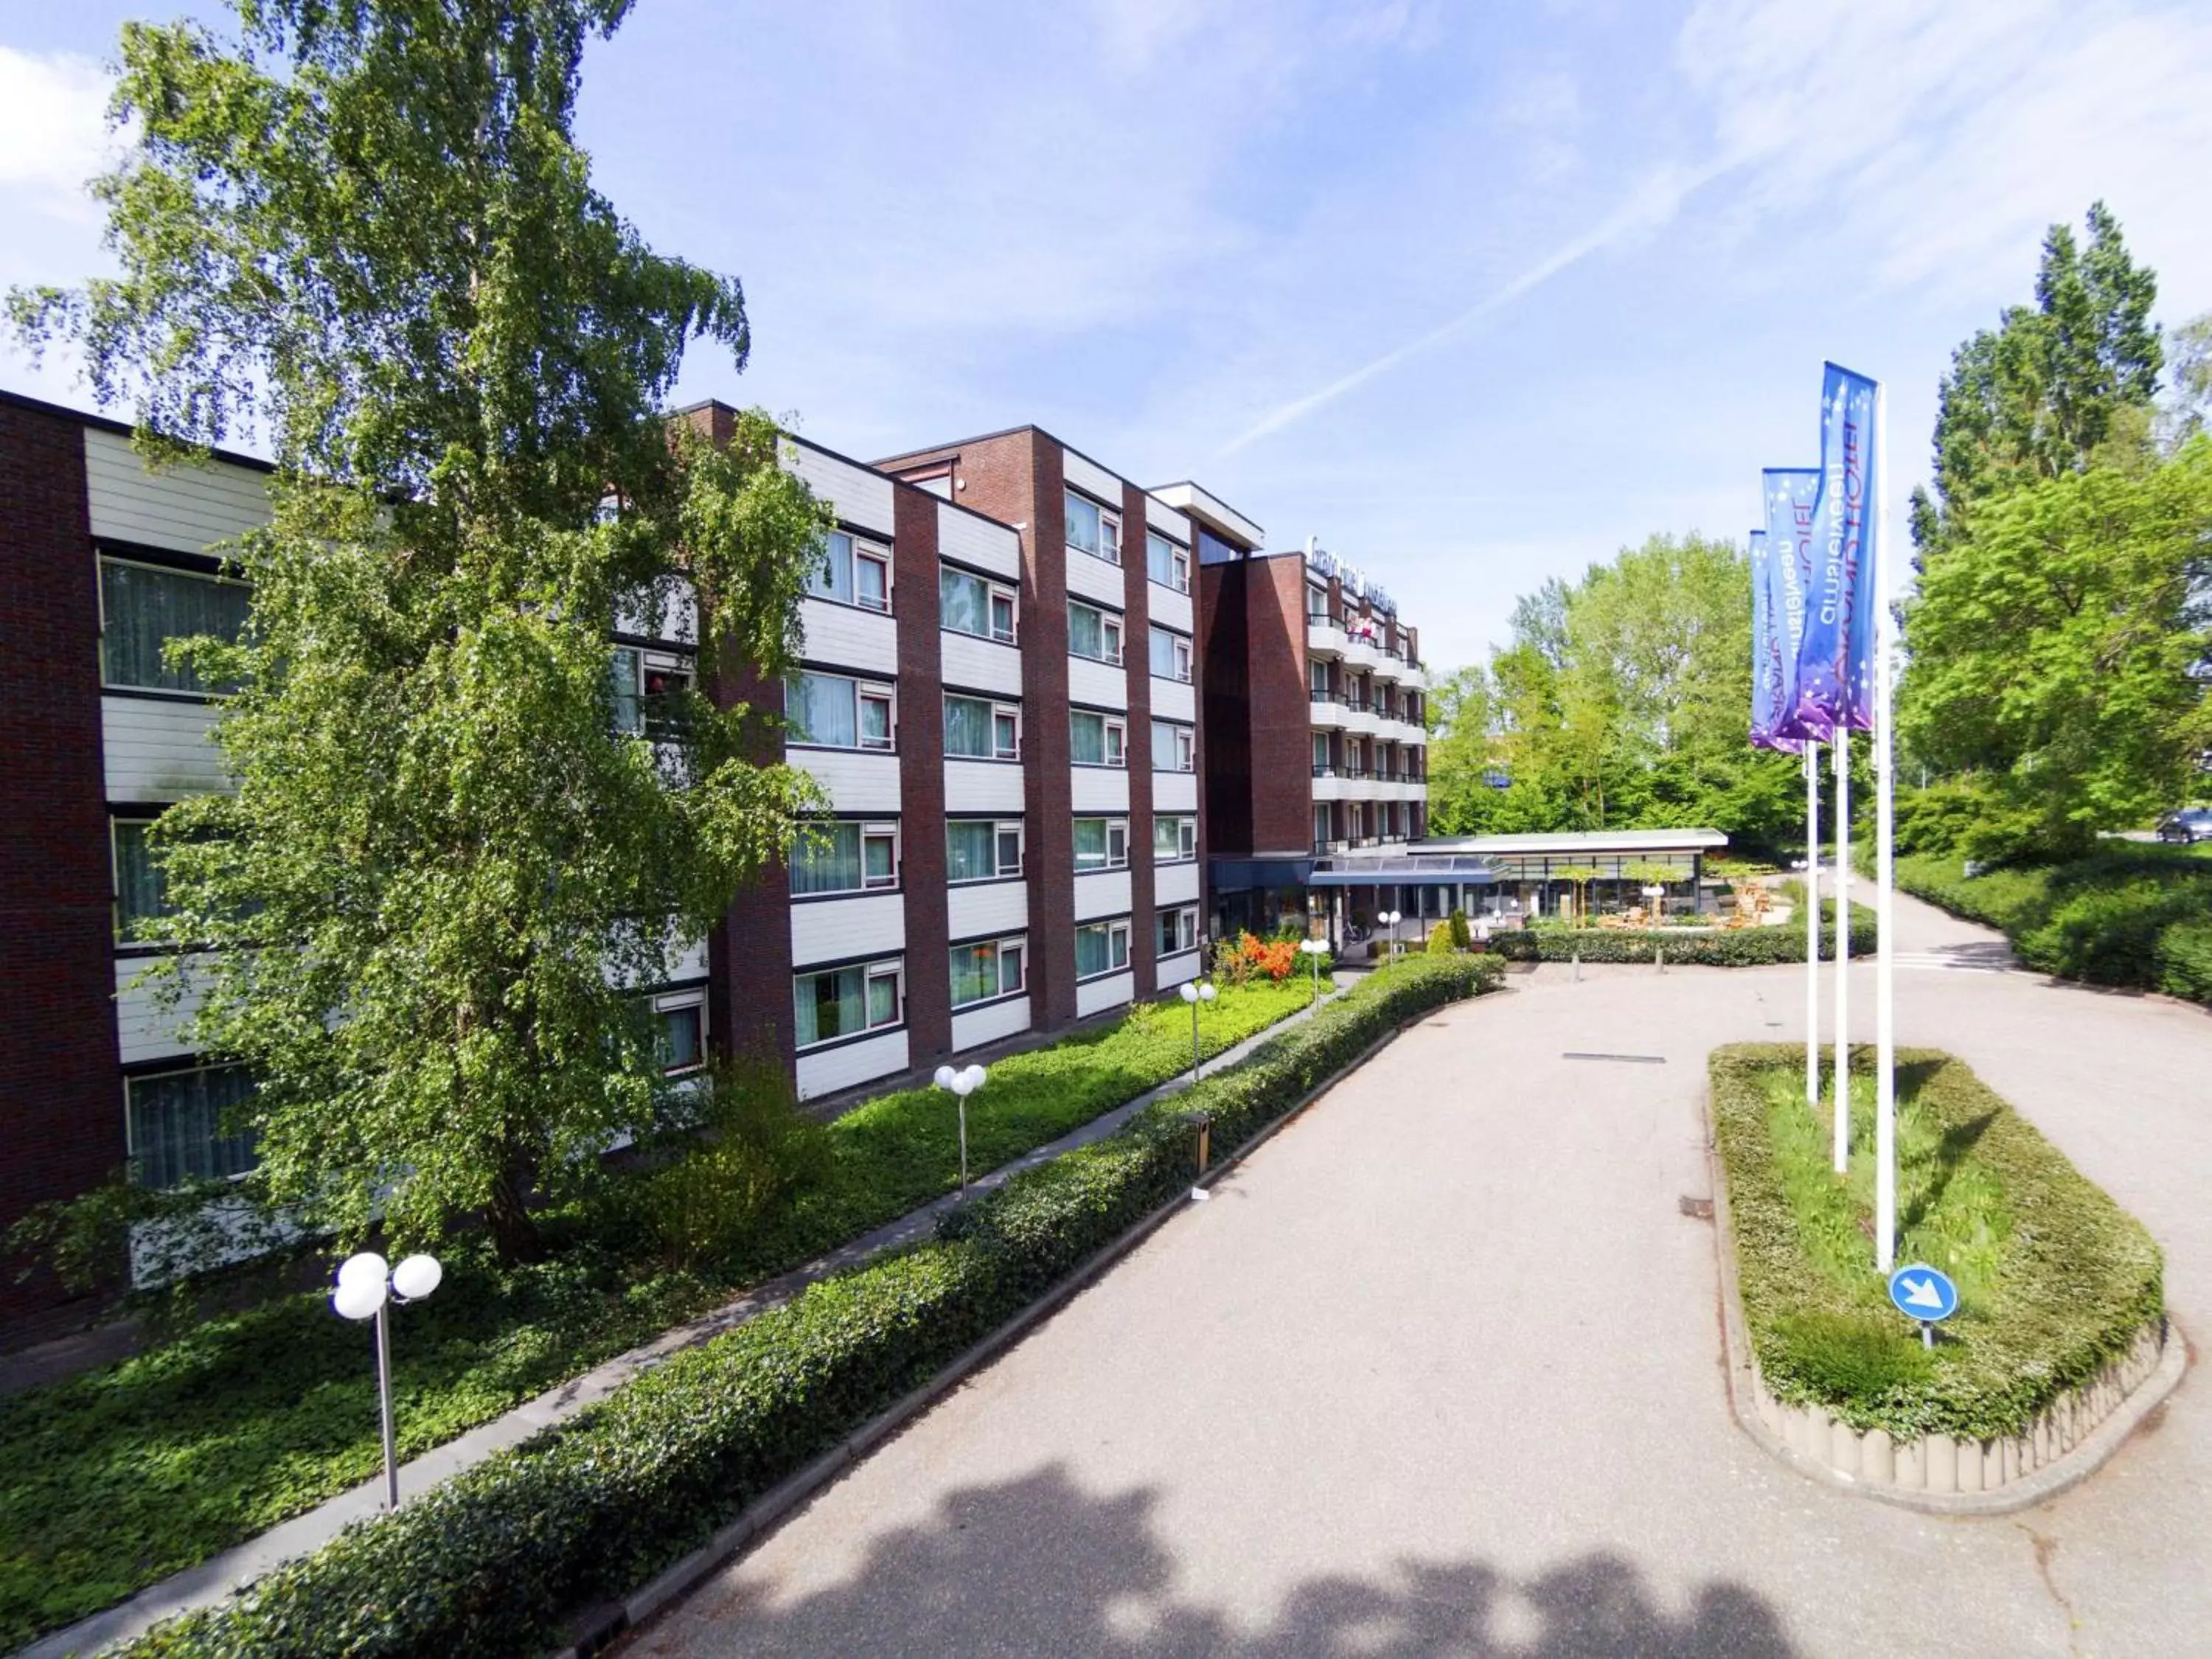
x=1316 y=948
x=962 y=1083
x=366 y=1290
x=1390 y=918
x=1195 y=992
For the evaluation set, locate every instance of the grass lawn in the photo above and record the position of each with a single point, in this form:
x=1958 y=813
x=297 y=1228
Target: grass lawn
x=2054 y=1279
x=123 y=1475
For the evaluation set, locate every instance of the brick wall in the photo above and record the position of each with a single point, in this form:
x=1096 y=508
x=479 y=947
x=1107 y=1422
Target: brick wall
x=1137 y=659
x=1281 y=759
x=921 y=775
x=60 y=1085
x=1224 y=708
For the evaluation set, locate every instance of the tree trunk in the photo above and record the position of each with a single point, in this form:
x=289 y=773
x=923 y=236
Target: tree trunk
x=514 y=1232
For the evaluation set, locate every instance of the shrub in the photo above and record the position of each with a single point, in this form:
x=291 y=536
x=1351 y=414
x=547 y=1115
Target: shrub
x=746 y=1148
x=1441 y=939
x=1462 y=935
x=1745 y=947
x=486 y=1562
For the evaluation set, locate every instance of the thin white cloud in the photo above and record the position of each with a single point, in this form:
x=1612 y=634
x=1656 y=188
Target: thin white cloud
x=53 y=131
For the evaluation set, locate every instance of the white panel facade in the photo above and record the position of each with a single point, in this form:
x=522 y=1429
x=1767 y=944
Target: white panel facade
x=1099 y=789
x=845 y=636
x=1097 y=685
x=1096 y=580
x=1170 y=609
x=851 y=1064
x=157 y=748
x=692 y=964
x=1175 y=699
x=1168 y=520
x=965 y=539
x=1096 y=995
x=1173 y=971
x=990 y=1023
x=857 y=781
x=1102 y=893
x=1176 y=883
x=1092 y=480
x=1174 y=792
x=974 y=665
x=978 y=786
x=678 y=617
x=857 y=495
x=188 y=508
x=144 y=1028
x=986 y=909
x=838 y=929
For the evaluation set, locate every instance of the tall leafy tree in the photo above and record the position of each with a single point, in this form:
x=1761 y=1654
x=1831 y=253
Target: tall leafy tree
x=363 y=230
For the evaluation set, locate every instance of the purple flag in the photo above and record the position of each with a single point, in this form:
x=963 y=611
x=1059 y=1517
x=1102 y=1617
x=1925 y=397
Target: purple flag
x=1767 y=676
x=1790 y=493
x=1835 y=658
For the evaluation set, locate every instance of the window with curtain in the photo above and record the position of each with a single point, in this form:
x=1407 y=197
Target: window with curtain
x=970 y=848
x=1172 y=747
x=990 y=968
x=833 y=578
x=823 y=708
x=679 y=1036
x=1174 y=837
x=1101 y=947
x=1166 y=563
x=143 y=609
x=1093 y=633
x=963 y=602
x=141 y=896
x=1170 y=654
x=831 y=1006
x=1085 y=522
x=968 y=728
x=1101 y=843
x=1086 y=733
x=826 y=859
x=177 y=1124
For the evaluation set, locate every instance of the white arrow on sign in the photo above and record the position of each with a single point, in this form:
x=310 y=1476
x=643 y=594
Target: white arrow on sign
x=1922 y=1293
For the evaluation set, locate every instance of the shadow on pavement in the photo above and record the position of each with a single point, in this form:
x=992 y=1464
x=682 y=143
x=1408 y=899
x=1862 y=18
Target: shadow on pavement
x=1038 y=1566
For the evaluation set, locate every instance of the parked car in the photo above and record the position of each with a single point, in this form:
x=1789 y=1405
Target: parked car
x=2191 y=823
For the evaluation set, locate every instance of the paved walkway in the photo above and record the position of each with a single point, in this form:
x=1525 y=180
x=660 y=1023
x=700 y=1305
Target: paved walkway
x=220 y=1575
x=1440 y=1371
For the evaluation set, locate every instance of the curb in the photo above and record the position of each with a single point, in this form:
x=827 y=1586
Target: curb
x=597 y=1627
x=2088 y=1455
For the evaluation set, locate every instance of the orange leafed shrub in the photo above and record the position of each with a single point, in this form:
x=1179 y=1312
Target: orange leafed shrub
x=1275 y=959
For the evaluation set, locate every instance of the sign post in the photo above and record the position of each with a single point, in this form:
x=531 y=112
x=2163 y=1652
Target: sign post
x=1921 y=1293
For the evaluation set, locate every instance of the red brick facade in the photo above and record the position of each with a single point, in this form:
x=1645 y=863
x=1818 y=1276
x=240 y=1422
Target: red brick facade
x=921 y=775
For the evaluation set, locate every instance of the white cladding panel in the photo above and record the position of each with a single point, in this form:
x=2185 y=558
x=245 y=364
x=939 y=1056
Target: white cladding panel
x=981 y=786
x=1102 y=893
x=1168 y=520
x=967 y=539
x=1174 y=792
x=188 y=508
x=857 y=781
x=857 y=494
x=851 y=1064
x=1175 y=699
x=157 y=749
x=677 y=621
x=1099 y=789
x=692 y=964
x=846 y=636
x=986 y=909
x=1173 y=971
x=1092 y=480
x=839 y=929
x=1098 y=581
x=989 y=1023
x=145 y=1029
x=1097 y=684
x=1176 y=883
x=974 y=665
x=1170 y=609
x=1094 y=995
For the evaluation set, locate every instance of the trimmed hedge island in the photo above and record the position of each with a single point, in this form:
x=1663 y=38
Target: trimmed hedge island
x=491 y=1561
x=1741 y=947
x=2057 y=1283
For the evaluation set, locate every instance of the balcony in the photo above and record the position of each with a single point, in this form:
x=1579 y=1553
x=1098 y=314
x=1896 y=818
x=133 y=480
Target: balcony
x=1324 y=638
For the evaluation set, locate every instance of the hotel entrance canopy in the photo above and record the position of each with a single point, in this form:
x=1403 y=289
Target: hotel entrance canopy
x=1473 y=860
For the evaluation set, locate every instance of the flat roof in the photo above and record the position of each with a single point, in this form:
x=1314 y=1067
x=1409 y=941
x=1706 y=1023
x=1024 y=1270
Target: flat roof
x=1577 y=840
x=1210 y=510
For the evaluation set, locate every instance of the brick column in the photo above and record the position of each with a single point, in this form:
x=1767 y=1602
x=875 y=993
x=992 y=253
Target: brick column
x=1137 y=659
x=921 y=775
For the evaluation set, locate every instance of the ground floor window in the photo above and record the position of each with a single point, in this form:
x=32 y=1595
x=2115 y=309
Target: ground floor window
x=1178 y=930
x=178 y=1128
x=842 y=1002
x=1101 y=947
x=990 y=968
x=679 y=1032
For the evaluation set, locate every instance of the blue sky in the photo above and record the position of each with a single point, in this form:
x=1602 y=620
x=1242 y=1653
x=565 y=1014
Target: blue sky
x=1474 y=295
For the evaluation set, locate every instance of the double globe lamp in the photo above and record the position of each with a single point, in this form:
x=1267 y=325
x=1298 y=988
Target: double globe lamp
x=366 y=1288
x=963 y=1081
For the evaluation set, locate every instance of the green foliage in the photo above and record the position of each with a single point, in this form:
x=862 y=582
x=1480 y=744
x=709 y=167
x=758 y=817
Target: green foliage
x=2128 y=915
x=1461 y=936
x=1738 y=947
x=2055 y=1279
x=141 y=1469
x=1441 y=939
x=486 y=1562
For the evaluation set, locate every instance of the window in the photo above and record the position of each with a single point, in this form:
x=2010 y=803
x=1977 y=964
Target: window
x=836 y=712
x=967 y=604
x=844 y=858
x=1317 y=679
x=1091 y=529
x=649 y=689
x=679 y=1033
x=1174 y=837
x=176 y=1123
x=1166 y=563
x=1320 y=754
x=1316 y=603
x=1321 y=830
x=1094 y=632
x=1170 y=654
x=852 y=573
x=141 y=894
x=142 y=608
x=976 y=728
x=1174 y=747
x=982 y=849
x=1102 y=843
x=1096 y=739
x=1101 y=947
x=991 y=969
x=1178 y=931
x=845 y=1002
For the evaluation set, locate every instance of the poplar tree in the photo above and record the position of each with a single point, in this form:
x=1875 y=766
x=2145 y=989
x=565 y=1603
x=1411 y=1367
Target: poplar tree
x=361 y=233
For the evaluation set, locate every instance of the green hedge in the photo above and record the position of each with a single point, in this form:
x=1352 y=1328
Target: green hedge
x=1743 y=947
x=2055 y=1278
x=2132 y=915
x=487 y=1562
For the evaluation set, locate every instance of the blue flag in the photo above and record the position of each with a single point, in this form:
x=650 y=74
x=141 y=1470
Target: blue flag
x=1791 y=493
x=1766 y=651
x=1835 y=658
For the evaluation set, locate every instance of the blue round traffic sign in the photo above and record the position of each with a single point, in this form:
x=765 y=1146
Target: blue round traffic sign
x=1920 y=1291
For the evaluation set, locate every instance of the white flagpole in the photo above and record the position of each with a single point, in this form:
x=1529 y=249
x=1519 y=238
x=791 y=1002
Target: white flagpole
x=1812 y=926
x=1841 y=744
x=1885 y=998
